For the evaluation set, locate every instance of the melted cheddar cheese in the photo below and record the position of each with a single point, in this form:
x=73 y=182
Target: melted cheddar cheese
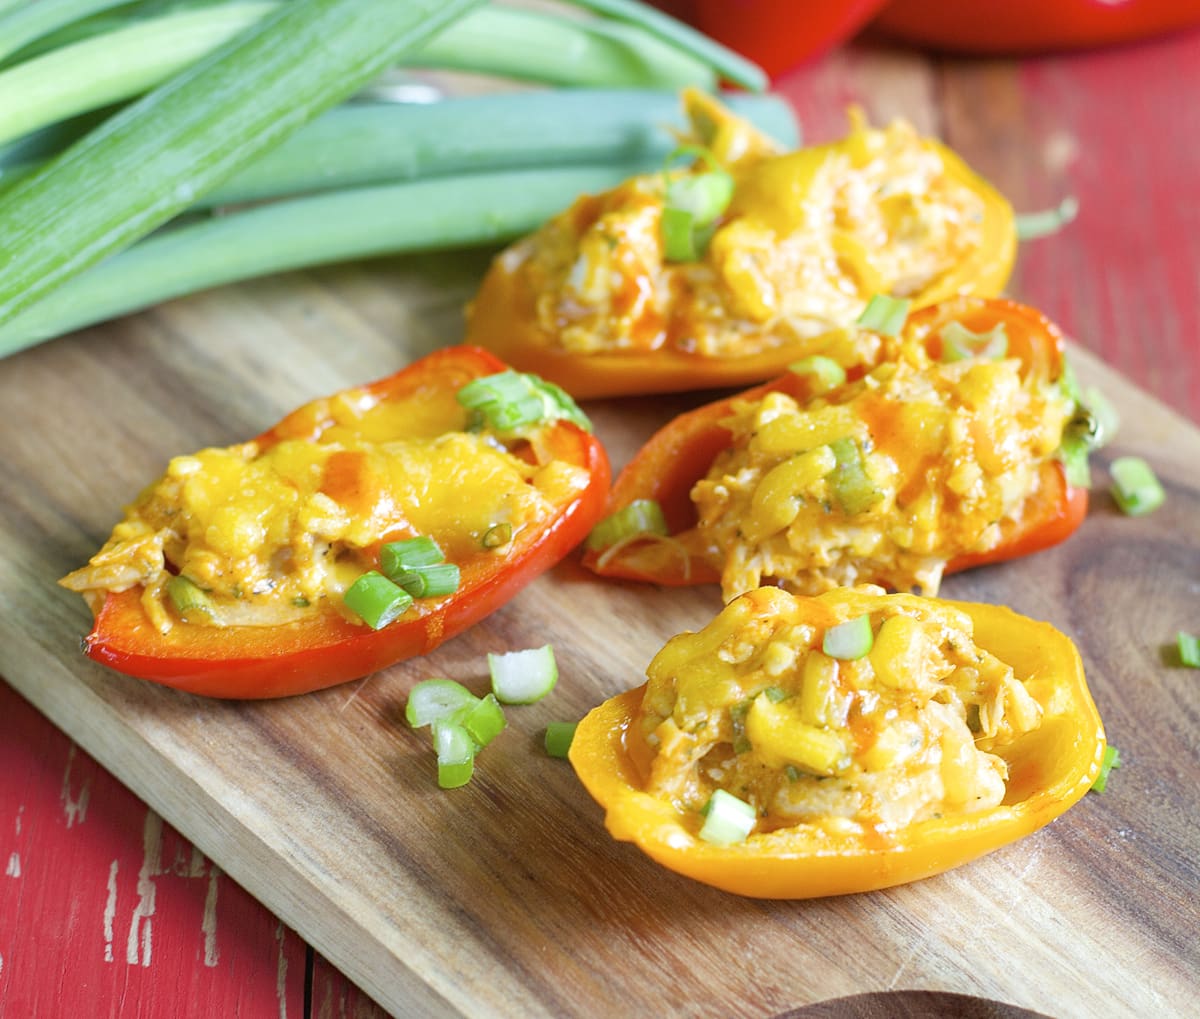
x=939 y=454
x=272 y=531
x=808 y=237
x=752 y=705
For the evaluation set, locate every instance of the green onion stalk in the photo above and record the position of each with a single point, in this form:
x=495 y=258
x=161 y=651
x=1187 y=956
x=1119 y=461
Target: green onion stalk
x=195 y=130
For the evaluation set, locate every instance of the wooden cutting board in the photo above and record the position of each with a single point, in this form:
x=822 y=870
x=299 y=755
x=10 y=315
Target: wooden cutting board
x=507 y=897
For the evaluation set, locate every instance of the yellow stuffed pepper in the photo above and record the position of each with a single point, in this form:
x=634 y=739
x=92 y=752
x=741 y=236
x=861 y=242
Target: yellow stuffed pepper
x=799 y=747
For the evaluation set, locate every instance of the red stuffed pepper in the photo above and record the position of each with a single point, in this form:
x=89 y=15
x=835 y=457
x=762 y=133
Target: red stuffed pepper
x=947 y=454
x=362 y=529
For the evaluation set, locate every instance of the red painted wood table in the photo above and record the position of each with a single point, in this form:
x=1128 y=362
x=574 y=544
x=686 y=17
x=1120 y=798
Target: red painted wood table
x=107 y=911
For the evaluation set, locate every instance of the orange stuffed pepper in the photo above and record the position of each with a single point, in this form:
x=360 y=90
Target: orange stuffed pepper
x=722 y=272
x=799 y=747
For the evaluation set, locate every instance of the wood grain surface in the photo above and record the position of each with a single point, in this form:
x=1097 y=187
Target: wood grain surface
x=507 y=897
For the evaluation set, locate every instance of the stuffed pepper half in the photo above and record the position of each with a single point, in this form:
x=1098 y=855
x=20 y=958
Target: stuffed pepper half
x=950 y=453
x=362 y=529
x=739 y=258
x=800 y=747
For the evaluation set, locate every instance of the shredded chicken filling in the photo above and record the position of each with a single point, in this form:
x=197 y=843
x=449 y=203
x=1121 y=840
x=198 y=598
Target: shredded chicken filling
x=270 y=535
x=808 y=238
x=882 y=481
x=752 y=705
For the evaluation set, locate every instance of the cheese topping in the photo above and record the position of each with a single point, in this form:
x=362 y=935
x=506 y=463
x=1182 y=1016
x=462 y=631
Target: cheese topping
x=752 y=705
x=272 y=534
x=881 y=481
x=808 y=237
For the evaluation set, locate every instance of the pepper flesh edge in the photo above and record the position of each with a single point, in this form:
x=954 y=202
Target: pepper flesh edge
x=1050 y=770
x=294 y=658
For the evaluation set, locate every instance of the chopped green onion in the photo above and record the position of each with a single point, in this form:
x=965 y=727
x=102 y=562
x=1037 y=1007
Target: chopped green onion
x=727 y=819
x=510 y=400
x=559 y=736
x=397 y=556
x=523 y=677
x=850 y=640
x=188 y=598
x=704 y=195
x=419 y=567
x=1031 y=225
x=455 y=774
x=692 y=205
x=1083 y=426
x=853 y=488
x=1073 y=453
x=1076 y=444
x=429 y=581
x=885 y=315
x=455 y=754
x=497 y=536
x=518 y=413
x=1136 y=489
x=642 y=516
x=434 y=699
x=1106 y=421
x=503 y=401
x=1093 y=425
x=502 y=387
x=1111 y=759
x=376 y=600
x=484 y=720
x=1189 y=649
x=560 y=405
x=679 y=235
x=959 y=343
x=696 y=152
x=825 y=370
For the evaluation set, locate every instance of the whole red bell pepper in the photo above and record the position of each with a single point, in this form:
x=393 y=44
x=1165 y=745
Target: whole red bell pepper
x=1032 y=26
x=779 y=34
x=328 y=645
x=776 y=34
x=667 y=467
